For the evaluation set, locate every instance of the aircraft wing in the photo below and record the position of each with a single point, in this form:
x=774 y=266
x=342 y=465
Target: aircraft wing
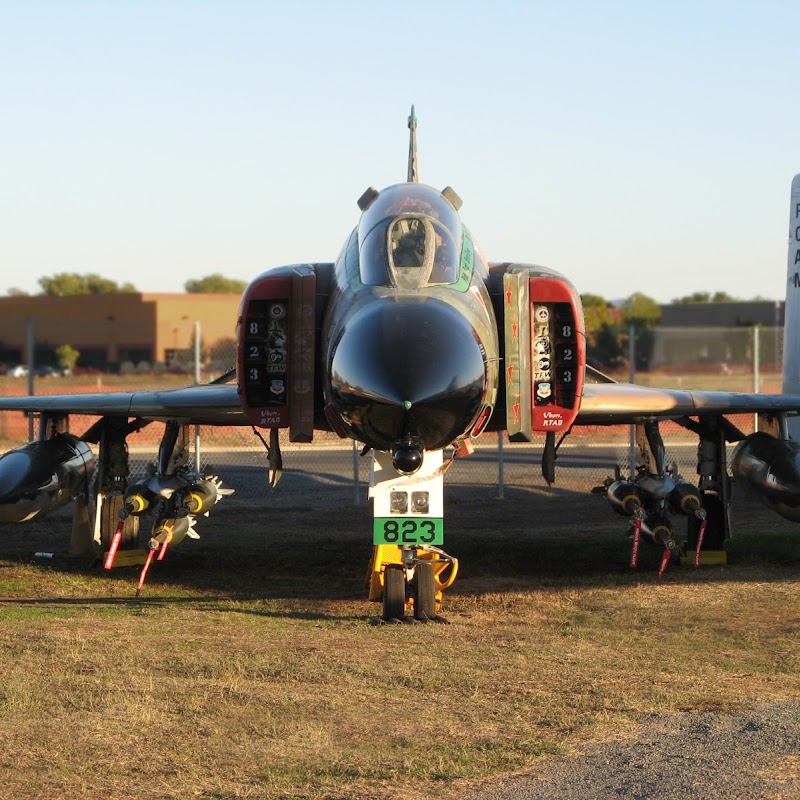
x=621 y=403
x=204 y=404
x=602 y=404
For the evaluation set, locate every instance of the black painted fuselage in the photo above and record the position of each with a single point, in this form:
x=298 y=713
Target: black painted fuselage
x=410 y=343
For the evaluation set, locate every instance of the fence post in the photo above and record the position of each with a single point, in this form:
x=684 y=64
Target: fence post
x=31 y=372
x=197 y=377
x=756 y=368
x=501 y=482
x=632 y=379
x=355 y=474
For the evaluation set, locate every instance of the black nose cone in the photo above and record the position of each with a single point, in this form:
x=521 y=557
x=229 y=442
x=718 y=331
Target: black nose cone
x=407 y=458
x=408 y=369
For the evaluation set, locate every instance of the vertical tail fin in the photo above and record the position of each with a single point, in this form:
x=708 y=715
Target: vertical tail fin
x=413 y=174
x=791 y=321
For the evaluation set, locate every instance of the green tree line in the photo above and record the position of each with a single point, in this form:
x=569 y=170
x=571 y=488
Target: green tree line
x=65 y=284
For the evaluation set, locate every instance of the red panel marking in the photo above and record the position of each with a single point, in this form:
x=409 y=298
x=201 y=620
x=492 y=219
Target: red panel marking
x=553 y=416
x=478 y=427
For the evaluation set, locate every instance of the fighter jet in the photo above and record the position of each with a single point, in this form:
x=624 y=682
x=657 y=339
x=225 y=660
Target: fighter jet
x=413 y=345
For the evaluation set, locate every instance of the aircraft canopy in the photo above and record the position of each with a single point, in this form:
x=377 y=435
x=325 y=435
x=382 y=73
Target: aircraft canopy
x=409 y=237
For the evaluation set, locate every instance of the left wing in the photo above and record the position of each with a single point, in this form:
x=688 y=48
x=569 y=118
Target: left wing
x=204 y=404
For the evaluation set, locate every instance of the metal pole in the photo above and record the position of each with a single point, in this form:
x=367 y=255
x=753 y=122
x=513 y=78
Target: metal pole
x=501 y=466
x=756 y=368
x=197 y=378
x=31 y=372
x=355 y=474
x=777 y=337
x=632 y=379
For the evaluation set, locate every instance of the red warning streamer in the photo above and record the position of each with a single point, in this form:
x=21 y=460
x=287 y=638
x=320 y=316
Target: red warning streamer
x=700 y=534
x=163 y=551
x=115 y=541
x=664 y=563
x=637 y=538
x=146 y=567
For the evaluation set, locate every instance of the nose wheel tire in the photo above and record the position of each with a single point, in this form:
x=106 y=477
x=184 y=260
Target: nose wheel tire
x=424 y=587
x=394 y=592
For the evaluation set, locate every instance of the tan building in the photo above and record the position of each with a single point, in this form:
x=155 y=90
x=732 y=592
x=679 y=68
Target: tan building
x=111 y=329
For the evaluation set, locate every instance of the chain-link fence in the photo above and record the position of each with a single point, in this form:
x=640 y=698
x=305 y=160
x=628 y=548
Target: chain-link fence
x=721 y=352
x=330 y=470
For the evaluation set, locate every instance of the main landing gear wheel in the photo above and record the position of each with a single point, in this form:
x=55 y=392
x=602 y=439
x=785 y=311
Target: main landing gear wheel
x=424 y=586
x=110 y=509
x=394 y=592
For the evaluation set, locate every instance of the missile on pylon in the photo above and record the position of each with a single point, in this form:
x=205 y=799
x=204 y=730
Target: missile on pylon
x=42 y=476
x=685 y=498
x=769 y=469
x=172 y=530
x=624 y=497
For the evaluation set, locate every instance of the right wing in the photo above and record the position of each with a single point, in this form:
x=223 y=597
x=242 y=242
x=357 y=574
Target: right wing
x=623 y=403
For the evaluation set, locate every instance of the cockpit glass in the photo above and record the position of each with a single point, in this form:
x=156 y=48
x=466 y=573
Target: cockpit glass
x=408 y=242
x=408 y=238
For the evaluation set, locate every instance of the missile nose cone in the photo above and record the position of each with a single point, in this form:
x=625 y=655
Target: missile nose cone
x=407 y=369
x=15 y=475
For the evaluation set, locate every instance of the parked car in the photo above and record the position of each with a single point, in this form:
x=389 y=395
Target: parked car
x=46 y=372
x=20 y=371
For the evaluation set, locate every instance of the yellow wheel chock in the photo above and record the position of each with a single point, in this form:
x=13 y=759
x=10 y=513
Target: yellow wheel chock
x=386 y=555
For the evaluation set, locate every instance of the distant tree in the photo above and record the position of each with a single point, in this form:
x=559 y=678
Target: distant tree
x=216 y=283
x=722 y=297
x=703 y=297
x=602 y=331
x=72 y=283
x=15 y=292
x=689 y=299
x=67 y=357
x=640 y=310
x=606 y=350
x=643 y=313
x=595 y=313
x=223 y=352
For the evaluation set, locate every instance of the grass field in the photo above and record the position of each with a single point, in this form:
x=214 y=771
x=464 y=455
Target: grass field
x=251 y=669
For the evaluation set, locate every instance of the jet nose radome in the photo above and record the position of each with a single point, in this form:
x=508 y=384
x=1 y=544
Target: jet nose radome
x=408 y=372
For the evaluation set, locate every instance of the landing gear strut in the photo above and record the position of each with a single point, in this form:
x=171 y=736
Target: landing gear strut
x=409 y=572
x=409 y=582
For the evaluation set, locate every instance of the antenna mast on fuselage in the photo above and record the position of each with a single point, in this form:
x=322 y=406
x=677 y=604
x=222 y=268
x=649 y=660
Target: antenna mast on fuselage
x=413 y=174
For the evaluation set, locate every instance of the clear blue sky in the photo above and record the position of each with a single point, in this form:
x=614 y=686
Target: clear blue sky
x=634 y=146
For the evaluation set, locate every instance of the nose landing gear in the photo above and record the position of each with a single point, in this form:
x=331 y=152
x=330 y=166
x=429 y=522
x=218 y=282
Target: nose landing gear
x=409 y=581
x=408 y=571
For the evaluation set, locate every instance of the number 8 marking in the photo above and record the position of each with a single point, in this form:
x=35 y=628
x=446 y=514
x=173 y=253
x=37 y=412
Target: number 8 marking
x=391 y=531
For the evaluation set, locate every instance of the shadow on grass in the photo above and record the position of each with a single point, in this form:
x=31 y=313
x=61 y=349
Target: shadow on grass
x=533 y=539
x=222 y=604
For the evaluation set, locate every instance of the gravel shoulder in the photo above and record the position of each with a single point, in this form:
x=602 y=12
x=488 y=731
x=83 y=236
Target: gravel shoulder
x=702 y=755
